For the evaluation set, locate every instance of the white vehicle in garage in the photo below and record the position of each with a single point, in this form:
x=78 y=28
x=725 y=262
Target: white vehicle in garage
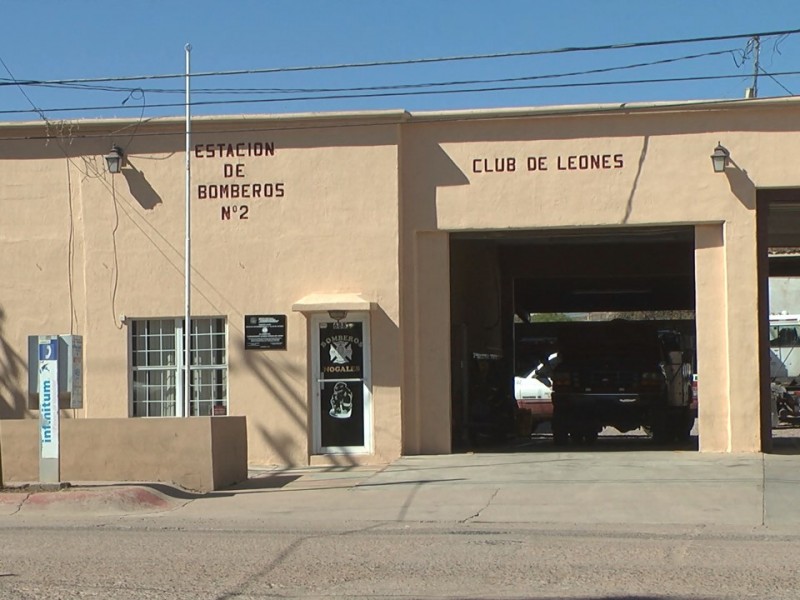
x=533 y=391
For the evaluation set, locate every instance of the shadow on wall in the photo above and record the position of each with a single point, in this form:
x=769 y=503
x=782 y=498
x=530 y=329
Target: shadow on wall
x=276 y=383
x=635 y=186
x=741 y=185
x=140 y=188
x=448 y=173
x=386 y=350
x=12 y=373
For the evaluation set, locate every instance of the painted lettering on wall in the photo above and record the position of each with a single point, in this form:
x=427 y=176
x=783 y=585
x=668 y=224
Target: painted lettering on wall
x=232 y=187
x=240 y=150
x=538 y=164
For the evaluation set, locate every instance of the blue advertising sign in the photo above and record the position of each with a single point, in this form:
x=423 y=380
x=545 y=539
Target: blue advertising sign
x=48 y=399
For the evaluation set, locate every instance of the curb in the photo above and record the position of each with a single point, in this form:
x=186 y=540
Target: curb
x=105 y=500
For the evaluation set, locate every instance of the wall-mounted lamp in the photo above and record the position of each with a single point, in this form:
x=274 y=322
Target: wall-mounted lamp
x=720 y=158
x=337 y=315
x=114 y=159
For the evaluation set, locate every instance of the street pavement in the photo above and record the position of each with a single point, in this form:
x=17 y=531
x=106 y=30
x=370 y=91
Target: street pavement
x=619 y=520
x=530 y=483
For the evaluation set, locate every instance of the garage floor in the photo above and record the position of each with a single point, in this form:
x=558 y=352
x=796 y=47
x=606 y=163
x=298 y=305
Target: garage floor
x=785 y=440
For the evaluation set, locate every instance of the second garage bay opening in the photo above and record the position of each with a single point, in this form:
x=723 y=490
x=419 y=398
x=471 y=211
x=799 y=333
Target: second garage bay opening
x=780 y=237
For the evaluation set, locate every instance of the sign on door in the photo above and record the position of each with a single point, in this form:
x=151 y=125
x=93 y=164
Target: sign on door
x=342 y=411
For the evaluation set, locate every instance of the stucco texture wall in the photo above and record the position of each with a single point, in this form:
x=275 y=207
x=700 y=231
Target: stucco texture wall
x=570 y=169
x=82 y=248
x=200 y=454
x=366 y=205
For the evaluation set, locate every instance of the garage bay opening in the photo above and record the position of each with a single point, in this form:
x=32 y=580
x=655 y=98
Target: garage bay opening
x=574 y=339
x=779 y=235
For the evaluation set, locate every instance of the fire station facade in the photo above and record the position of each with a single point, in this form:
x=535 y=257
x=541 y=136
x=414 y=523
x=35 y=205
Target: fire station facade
x=339 y=261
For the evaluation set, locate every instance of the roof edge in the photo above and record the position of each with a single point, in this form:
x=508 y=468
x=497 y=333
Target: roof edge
x=597 y=109
x=395 y=116
x=373 y=116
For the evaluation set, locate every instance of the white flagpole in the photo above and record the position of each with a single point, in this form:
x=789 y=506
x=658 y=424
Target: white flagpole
x=188 y=248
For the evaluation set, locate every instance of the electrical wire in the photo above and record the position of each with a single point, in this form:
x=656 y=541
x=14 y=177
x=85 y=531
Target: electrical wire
x=115 y=274
x=22 y=90
x=71 y=237
x=569 y=49
x=236 y=91
x=405 y=93
x=73 y=317
x=395 y=90
x=778 y=83
x=138 y=122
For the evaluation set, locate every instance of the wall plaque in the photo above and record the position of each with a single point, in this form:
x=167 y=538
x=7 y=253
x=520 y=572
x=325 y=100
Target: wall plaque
x=265 y=332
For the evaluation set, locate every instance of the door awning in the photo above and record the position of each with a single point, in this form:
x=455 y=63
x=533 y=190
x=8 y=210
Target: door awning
x=327 y=302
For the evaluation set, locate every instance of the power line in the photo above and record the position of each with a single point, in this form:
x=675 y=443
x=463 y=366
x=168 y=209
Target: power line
x=22 y=90
x=239 y=90
x=778 y=83
x=569 y=49
x=404 y=93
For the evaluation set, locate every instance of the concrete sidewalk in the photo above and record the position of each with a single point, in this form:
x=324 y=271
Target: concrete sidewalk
x=579 y=487
x=667 y=487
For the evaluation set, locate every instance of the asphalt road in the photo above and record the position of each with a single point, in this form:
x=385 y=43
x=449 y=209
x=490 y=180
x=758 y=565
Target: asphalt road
x=172 y=558
x=618 y=522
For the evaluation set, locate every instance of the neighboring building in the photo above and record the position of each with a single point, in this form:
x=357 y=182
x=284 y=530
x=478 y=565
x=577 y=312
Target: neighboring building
x=784 y=290
x=345 y=266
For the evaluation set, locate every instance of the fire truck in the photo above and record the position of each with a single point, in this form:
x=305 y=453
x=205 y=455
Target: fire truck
x=623 y=374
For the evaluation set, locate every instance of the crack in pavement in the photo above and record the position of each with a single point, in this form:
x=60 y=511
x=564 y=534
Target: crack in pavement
x=21 y=502
x=485 y=506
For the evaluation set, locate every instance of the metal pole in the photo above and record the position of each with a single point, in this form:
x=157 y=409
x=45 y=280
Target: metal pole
x=756 y=65
x=188 y=249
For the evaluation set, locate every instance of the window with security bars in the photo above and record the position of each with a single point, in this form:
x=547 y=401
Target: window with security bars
x=157 y=364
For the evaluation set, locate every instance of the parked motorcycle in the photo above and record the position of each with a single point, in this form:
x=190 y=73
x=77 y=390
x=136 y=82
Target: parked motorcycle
x=786 y=405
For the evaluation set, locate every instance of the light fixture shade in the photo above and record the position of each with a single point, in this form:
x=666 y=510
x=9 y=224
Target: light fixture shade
x=114 y=159
x=719 y=159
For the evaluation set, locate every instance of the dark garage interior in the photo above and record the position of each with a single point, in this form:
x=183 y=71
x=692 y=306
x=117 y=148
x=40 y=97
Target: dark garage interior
x=779 y=236
x=512 y=292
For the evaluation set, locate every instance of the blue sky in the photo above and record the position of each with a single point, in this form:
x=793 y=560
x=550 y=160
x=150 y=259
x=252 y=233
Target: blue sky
x=56 y=39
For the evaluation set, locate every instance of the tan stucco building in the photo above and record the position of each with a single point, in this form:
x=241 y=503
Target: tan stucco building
x=341 y=262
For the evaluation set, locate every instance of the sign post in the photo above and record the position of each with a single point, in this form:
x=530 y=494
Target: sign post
x=49 y=438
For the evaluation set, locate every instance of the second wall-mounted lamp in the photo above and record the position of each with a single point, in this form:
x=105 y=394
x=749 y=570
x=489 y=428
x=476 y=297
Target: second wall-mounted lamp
x=720 y=158
x=114 y=159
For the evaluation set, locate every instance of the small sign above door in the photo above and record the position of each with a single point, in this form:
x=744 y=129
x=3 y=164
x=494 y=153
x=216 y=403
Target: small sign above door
x=265 y=332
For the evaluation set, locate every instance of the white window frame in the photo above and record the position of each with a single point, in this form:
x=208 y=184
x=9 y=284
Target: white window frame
x=177 y=369
x=316 y=379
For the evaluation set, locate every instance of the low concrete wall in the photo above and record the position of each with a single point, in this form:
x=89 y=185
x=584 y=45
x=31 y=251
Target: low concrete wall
x=198 y=453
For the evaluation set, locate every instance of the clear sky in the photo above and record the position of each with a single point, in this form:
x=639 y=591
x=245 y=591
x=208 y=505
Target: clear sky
x=79 y=39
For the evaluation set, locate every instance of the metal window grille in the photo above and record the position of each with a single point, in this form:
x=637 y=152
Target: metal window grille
x=157 y=355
